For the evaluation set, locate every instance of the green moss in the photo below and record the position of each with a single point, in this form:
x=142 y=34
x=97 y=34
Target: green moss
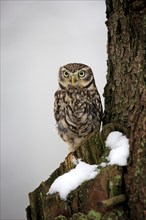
x=137 y=172
x=115 y=185
x=111 y=188
x=115 y=215
x=119 y=213
x=83 y=218
x=143 y=143
x=60 y=217
x=144 y=20
x=94 y=215
x=118 y=180
x=83 y=184
x=79 y=216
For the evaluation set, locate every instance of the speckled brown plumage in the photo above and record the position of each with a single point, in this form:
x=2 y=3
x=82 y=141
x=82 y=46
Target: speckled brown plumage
x=77 y=106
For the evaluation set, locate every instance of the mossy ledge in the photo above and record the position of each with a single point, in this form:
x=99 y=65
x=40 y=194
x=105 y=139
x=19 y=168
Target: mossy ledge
x=83 y=202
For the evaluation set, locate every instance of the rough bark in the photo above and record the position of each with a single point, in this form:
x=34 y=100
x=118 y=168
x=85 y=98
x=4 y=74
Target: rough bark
x=125 y=92
x=86 y=200
x=116 y=193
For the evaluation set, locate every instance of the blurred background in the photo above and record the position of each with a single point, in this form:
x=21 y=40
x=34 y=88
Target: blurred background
x=37 y=37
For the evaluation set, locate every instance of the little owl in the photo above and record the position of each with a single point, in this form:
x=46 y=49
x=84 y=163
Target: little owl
x=77 y=106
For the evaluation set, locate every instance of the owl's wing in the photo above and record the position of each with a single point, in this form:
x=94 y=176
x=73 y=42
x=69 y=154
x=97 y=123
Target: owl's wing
x=96 y=105
x=91 y=103
x=59 y=104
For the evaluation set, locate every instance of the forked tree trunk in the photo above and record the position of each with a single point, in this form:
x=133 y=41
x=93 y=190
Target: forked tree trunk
x=125 y=92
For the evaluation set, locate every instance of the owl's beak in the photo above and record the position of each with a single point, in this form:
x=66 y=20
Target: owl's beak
x=73 y=80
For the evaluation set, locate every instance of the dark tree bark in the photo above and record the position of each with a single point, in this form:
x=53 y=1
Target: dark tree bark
x=125 y=92
x=116 y=193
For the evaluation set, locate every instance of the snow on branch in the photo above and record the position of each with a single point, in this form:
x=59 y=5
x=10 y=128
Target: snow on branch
x=119 y=145
x=118 y=155
x=69 y=181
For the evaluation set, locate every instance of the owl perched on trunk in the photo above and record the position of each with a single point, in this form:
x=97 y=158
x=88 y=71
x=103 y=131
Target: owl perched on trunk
x=77 y=107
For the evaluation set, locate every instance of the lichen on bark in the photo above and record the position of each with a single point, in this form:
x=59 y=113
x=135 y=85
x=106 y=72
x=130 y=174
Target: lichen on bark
x=88 y=196
x=125 y=91
x=125 y=111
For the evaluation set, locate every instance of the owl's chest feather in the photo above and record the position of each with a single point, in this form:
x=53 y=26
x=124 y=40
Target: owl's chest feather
x=75 y=105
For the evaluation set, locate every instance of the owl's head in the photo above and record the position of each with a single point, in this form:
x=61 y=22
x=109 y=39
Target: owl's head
x=76 y=75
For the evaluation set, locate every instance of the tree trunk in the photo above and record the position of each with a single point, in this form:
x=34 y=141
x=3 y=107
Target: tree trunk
x=116 y=193
x=125 y=92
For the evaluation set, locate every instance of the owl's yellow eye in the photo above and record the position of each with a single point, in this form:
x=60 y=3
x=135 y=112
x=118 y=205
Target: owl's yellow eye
x=82 y=74
x=65 y=73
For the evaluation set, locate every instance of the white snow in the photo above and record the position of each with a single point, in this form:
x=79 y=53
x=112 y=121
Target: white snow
x=69 y=181
x=75 y=161
x=119 y=145
x=118 y=155
x=103 y=164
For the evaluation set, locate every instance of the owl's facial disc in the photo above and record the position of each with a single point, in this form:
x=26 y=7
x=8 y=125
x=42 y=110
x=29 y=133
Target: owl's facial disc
x=78 y=78
x=73 y=80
